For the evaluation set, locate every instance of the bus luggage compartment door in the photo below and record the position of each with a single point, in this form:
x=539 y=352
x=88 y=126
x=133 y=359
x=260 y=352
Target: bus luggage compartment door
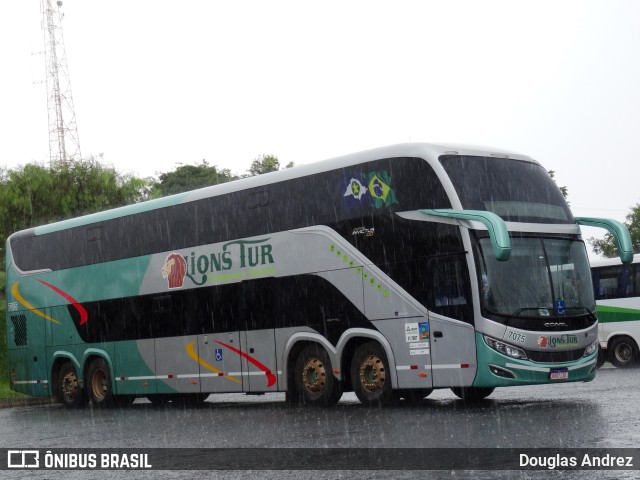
x=453 y=353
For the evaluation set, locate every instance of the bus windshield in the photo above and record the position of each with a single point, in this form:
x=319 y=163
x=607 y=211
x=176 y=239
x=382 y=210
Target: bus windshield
x=543 y=278
x=517 y=191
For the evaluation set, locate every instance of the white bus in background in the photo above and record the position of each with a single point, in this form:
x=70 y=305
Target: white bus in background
x=617 y=292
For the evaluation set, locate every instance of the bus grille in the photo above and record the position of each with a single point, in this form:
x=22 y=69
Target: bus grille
x=19 y=330
x=555 y=357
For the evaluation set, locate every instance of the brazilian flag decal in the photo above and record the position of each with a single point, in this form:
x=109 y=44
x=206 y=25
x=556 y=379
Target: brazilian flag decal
x=380 y=190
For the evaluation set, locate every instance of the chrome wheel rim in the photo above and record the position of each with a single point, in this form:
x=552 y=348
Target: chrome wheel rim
x=314 y=375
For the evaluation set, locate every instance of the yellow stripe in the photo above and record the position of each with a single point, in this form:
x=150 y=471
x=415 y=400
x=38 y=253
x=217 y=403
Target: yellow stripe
x=191 y=352
x=16 y=294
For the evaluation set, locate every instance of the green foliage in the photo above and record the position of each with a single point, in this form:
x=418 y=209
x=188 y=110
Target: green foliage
x=564 y=190
x=606 y=246
x=266 y=164
x=34 y=195
x=191 y=177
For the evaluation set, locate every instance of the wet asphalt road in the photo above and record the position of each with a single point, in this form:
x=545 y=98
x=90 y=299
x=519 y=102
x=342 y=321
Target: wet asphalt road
x=604 y=413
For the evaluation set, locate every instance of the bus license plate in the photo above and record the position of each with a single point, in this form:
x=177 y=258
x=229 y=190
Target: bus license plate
x=559 y=374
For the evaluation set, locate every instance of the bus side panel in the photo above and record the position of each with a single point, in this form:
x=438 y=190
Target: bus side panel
x=259 y=360
x=135 y=367
x=220 y=367
x=26 y=351
x=409 y=340
x=176 y=365
x=453 y=353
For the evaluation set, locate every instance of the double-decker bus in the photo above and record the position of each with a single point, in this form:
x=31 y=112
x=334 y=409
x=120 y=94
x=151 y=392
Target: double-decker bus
x=617 y=293
x=389 y=273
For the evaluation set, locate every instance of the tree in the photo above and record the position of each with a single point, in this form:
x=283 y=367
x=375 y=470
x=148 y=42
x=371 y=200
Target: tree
x=191 y=177
x=606 y=246
x=564 y=190
x=266 y=164
x=34 y=195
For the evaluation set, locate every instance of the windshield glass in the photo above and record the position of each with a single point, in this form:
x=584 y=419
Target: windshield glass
x=543 y=278
x=517 y=191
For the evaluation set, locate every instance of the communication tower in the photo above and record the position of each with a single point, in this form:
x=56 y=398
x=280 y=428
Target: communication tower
x=64 y=145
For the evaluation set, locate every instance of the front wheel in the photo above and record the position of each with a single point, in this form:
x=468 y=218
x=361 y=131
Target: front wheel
x=472 y=394
x=623 y=352
x=370 y=375
x=314 y=381
x=68 y=388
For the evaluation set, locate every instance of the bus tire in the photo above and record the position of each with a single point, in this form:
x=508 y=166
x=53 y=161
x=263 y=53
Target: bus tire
x=314 y=380
x=623 y=352
x=370 y=375
x=602 y=357
x=68 y=388
x=99 y=385
x=472 y=394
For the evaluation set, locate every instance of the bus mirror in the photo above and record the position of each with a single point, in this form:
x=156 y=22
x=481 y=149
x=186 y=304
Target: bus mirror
x=498 y=233
x=618 y=231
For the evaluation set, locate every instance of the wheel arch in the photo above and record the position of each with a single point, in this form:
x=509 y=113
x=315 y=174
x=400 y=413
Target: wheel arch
x=88 y=357
x=351 y=340
x=296 y=343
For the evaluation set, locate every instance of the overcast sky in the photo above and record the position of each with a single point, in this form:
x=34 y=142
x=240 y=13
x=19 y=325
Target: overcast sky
x=157 y=83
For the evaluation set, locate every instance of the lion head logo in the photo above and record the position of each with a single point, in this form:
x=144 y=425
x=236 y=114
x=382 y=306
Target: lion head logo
x=174 y=270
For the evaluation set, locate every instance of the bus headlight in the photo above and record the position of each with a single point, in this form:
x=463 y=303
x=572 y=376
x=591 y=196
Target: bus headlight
x=591 y=349
x=505 y=349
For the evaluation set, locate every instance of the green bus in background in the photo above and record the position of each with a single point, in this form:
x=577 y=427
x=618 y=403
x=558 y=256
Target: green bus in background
x=390 y=273
x=617 y=290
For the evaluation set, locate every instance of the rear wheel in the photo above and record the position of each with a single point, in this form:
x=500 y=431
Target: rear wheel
x=623 y=352
x=68 y=389
x=472 y=394
x=370 y=375
x=99 y=386
x=314 y=382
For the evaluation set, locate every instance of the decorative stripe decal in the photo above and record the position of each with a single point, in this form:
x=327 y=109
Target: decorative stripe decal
x=16 y=293
x=24 y=382
x=271 y=378
x=191 y=352
x=81 y=310
x=451 y=365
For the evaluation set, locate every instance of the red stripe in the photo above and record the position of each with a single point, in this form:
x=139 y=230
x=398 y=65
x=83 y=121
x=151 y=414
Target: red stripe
x=81 y=310
x=271 y=378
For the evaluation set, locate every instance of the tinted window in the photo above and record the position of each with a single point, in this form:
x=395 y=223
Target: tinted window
x=515 y=190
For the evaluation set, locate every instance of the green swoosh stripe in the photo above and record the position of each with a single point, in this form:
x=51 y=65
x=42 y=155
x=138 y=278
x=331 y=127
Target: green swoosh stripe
x=608 y=314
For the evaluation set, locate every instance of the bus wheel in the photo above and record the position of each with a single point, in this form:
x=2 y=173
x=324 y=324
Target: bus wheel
x=314 y=380
x=370 y=375
x=472 y=394
x=623 y=352
x=99 y=383
x=602 y=357
x=68 y=390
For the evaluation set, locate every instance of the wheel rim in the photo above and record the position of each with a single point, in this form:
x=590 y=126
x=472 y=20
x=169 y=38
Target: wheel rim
x=99 y=384
x=372 y=374
x=70 y=386
x=314 y=375
x=623 y=353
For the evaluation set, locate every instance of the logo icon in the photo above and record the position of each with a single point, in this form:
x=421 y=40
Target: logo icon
x=174 y=270
x=543 y=341
x=355 y=189
x=23 y=459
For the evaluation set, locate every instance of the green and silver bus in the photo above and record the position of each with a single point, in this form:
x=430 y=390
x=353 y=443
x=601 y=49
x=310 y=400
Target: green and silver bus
x=617 y=292
x=389 y=273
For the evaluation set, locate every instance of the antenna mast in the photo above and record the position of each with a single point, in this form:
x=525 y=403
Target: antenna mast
x=64 y=145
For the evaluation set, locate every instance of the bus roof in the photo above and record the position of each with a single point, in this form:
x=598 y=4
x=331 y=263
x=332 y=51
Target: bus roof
x=607 y=262
x=429 y=151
